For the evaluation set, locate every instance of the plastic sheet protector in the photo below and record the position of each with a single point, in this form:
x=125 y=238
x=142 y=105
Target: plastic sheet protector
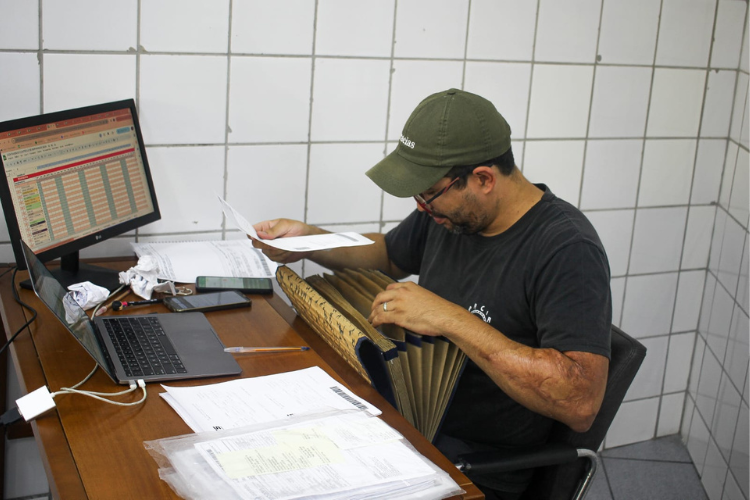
x=339 y=455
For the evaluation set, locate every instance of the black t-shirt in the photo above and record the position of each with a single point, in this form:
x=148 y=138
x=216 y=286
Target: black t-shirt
x=544 y=282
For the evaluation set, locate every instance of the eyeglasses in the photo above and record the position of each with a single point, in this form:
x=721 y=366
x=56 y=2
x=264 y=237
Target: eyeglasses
x=423 y=204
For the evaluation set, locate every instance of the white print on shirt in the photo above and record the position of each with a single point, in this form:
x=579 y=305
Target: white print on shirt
x=485 y=315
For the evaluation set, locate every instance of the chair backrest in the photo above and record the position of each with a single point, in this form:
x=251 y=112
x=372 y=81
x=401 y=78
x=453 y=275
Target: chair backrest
x=560 y=481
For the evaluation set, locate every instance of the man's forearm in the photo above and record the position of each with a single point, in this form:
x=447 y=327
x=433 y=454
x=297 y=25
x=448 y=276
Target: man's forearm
x=568 y=387
x=374 y=256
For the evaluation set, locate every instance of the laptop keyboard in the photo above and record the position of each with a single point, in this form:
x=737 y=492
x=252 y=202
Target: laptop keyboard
x=142 y=346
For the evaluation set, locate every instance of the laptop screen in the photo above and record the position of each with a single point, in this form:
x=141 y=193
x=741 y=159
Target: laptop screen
x=62 y=304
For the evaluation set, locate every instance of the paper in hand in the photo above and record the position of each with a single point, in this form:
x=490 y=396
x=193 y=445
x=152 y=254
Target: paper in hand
x=295 y=243
x=237 y=219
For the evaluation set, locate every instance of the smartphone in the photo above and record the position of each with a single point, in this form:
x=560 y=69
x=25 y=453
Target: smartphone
x=207 y=301
x=246 y=285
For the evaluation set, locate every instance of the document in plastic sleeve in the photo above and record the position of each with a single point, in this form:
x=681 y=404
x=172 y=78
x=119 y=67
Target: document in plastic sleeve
x=337 y=455
x=305 y=459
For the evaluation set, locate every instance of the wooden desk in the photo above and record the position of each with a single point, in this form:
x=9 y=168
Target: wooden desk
x=95 y=450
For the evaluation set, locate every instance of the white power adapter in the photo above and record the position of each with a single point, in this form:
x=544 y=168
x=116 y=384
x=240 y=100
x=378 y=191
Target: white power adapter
x=35 y=403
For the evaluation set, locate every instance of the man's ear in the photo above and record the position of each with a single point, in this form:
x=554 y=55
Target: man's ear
x=486 y=177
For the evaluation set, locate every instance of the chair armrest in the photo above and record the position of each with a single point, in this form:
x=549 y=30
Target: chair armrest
x=492 y=462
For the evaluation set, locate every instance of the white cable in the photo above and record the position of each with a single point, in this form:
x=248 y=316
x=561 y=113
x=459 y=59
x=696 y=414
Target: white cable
x=40 y=401
x=79 y=384
x=115 y=292
x=95 y=396
x=84 y=380
x=73 y=389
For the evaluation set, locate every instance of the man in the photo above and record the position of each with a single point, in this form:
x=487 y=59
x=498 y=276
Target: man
x=515 y=277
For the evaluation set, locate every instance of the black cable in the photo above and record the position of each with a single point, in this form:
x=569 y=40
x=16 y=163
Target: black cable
x=13 y=415
x=9 y=417
x=18 y=299
x=7 y=271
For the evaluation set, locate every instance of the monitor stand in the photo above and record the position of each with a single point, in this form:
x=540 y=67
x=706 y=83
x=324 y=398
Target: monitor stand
x=71 y=271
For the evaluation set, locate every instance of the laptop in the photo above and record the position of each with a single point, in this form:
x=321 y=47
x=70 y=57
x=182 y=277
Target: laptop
x=153 y=347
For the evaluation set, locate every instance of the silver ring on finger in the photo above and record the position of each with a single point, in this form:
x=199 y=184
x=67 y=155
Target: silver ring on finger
x=385 y=306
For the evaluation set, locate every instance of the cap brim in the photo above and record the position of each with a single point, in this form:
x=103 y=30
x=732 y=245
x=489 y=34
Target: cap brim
x=403 y=178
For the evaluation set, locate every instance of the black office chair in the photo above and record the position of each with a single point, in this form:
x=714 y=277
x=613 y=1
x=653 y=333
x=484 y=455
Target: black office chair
x=566 y=465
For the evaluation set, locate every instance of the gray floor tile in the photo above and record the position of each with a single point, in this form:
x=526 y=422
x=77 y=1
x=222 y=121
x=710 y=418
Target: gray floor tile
x=667 y=449
x=599 y=489
x=644 y=479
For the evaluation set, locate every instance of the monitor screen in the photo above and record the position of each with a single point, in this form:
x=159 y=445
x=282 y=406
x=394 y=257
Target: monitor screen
x=72 y=179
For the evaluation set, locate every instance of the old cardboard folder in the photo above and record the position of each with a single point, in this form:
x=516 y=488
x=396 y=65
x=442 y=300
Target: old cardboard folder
x=416 y=374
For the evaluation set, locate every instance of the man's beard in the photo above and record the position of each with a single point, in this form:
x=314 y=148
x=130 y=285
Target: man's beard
x=468 y=218
x=463 y=222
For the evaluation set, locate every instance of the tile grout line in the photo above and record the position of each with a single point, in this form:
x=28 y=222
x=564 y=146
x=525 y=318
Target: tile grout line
x=138 y=78
x=391 y=70
x=309 y=121
x=606 y=476
x=685 y=229
x=730 y=139
x=656 y=460
x=40 y=55
x=708 y=346
x=640 y=168
x=377 y=141
x=531 y=86
x=226 y=118
x=466 y=45
x=711 y=439
x=366 y=57
x=591 y=105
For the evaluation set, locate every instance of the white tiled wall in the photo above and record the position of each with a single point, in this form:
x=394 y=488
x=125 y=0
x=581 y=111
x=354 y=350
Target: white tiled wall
x=715 y=416
x=634 y=111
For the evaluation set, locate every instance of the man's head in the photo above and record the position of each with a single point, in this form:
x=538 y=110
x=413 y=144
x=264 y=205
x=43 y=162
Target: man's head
x=448 y=129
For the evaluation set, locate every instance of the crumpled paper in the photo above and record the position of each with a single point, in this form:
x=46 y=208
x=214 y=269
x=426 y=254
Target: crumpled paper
x=88 y=295
x=143 y=278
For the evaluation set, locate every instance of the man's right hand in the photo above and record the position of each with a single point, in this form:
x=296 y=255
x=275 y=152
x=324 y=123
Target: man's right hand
x=373 y=256
x=282 y=228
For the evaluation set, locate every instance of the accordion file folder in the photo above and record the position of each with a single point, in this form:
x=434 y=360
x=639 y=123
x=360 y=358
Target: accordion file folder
x=417 y=374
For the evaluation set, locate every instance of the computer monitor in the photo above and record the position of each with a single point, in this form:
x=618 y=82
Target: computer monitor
x=72 y=179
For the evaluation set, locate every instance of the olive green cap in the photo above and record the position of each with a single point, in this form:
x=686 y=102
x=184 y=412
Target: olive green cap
x=447 y=129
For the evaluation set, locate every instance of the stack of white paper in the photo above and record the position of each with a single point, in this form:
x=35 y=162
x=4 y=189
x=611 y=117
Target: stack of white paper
x=345 y=455
x=183 y=261
x=257 y=400
x=293 y=435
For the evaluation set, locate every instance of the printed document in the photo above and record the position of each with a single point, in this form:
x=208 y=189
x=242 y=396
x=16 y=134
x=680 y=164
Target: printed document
x=336 y=455
x=294 y=461
x=248 y=401
x=296 y=243
x=186 y=260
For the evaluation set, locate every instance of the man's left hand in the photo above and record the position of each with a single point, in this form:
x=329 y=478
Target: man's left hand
x=414 y=308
